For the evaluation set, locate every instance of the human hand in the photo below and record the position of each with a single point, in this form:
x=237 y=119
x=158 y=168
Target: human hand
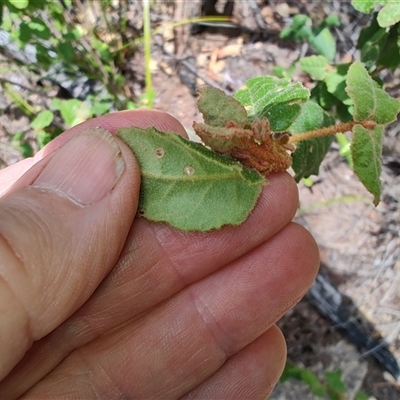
x=98 y=304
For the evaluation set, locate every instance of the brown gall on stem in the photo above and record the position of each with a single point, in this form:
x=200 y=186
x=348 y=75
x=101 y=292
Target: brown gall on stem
x=255 y=147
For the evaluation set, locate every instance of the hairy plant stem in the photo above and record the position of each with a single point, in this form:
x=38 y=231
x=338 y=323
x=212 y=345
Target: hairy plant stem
x=330 y=130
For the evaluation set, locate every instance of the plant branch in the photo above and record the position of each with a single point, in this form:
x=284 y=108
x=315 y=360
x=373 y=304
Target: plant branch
x=330 y=130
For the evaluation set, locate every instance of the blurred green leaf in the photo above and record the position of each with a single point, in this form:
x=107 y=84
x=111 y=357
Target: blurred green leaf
x=389 y=14
x=42 y=120
x=65 y=51
x=324 y=43
x=20 y=143
x=361 y=396
x=321 y=96
x=24 y=33
x=282 y=72
x=332 y=20
x=390 y=54
x=313 y=382
x=366 y=6
x=371 y=42
x=20 y=4
x=316 y=66
x=334 y=380
x=300 y=29
x=100 y=107
x=39 y=28
x=336 y=83
x=43 y=138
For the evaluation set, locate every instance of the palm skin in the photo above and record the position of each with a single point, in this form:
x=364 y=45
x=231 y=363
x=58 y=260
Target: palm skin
x=104 y=305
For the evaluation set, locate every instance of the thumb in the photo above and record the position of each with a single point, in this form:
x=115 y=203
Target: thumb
x=62 y=228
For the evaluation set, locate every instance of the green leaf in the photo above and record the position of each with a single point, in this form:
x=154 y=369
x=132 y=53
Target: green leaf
x=20 y=4
x=65 y=51
x=42 y=120
x=336 y=83
x=43 y=138
x=310 y=153
x=273 y=98
x=334 y=380
x=370 y=101
x=332 y=20
x=313 y=382
x=100 y=107
x=390 y=54
x=73 y=111
x=39 y=29
x=389 y=14
x=366 y=6
x=218 y=109
x=20 y=143
x=366 y=150
x=290 y=372
x=324 y=43
x=189 y=186
x=25 y=33
x=362 y=396
x=321 y=95
x=299 y=29
x=371 y=42
x=316 y=66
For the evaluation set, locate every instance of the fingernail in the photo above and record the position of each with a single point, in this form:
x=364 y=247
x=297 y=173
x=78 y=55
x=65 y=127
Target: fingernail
x=86 y=168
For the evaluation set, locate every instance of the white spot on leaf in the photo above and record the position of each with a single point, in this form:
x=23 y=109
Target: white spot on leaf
x=160 y=152
x=189 y=170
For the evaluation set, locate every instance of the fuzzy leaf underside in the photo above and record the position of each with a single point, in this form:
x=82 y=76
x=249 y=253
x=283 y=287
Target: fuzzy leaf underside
x=370 y=101
x=316 y=66
x=218 y=109
x=273 y=98
x=309 y=154
x=187 y=185
x=366 y=150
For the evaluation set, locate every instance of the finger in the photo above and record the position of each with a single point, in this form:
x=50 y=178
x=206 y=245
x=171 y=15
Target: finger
x=160 y=258
x=156 y=263
x=111 y=122
x=63 y=226
x=183 y=342
x=252 y=373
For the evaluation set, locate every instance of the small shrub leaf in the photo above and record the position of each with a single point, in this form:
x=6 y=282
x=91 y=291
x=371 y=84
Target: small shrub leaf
x=324 y=44
x=20 y=4
x=313 y=382
x=218 y=109
x=334 y=380
x=39 y=29
x=389 y=14
x=389 y=57
x=336 y=83
x=364 y=6
x=370 y=101
x=366 y=150
x=315 y=66
x=310 y=153
x=42 y=120
x=187 y=185
x=278 y=100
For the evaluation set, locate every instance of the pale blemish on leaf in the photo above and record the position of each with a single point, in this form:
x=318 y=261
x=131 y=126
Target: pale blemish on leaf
x=189 y=170
x=160 y=152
